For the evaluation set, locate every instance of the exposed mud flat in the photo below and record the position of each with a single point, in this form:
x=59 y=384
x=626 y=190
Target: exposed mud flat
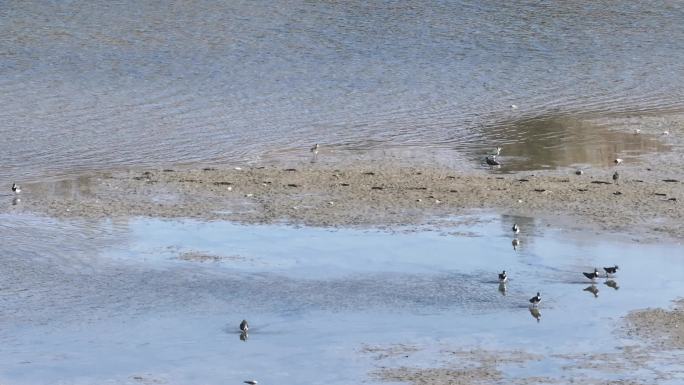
x=662 y=328
x=367 y=195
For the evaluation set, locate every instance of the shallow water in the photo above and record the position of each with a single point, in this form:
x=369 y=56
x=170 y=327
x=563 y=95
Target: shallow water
x=102 y=84
x=107 y=302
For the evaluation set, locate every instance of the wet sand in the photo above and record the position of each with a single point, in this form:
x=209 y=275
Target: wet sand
x=372 y=195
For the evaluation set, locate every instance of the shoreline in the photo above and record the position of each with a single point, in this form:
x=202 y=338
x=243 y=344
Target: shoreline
x=643 y=205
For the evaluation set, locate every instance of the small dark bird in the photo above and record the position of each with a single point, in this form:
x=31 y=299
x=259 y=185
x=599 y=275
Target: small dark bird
x=611 y=270
x=616 y=178
x=16 y=188
x=593 y=275
x=536 y=299
x=503 y=277
x=244 y=326
x=515 y=228
x=491 y=160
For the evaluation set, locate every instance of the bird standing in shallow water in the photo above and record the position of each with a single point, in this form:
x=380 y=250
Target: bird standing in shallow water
x=611 y=270
x=593 y=275
x=491 y=160
x=515 y=228
x=16 y=188
x=616 y=178
x=314 y=151
x=536 y=299
x=244 y=326
x=503 y=277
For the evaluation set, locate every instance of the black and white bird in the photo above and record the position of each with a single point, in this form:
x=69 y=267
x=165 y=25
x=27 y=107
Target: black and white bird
x=616 y=178
x=251 y=382
x=593 y=275
x=244 y=326
x=579 y=172
x=515 y=244
x=314 y=149
x=503 y=277
x=611 y=270
x=536 y=299
x=617 y=161
x=16 y=188
x=515 y=228
x=491 y=160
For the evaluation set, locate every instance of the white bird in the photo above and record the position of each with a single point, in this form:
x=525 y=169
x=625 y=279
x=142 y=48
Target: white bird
x=514 y=107
x=617 y=161
x=666 y=132
x=637 y=131
x=16 y=188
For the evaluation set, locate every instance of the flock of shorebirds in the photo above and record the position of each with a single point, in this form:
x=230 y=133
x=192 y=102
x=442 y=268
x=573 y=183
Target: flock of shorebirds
x=534 y=301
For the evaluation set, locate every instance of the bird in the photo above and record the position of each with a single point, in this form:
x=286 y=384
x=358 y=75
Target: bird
x=666 y=132
x=616 y=178
x=617 y=161
x=515 y=228
x=592 y=289
x=515 y=244
x=514 y=107
x=497 y=151
x=637 y=131
x=611 y=270
x=251 y=382
x=244 y=326
x=593 y=275
x=314 y=149
x=579 y=172
x=491 y=160
x=503 y=277
x=16 y=188
x=536 y=299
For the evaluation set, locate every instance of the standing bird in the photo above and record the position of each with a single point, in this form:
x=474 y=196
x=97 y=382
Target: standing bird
x=616 y=178
x=491 y=160
x=536 y=299
x=611 y=270
x=503 y=277
x=593 y=275
x=16 y=188
x=579 y=172
x=244 y=326
x=515 y=228
x=314 y=151
x=515 y=244
x=617 y=161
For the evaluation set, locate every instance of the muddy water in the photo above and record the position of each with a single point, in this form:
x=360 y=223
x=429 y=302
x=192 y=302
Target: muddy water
x=133 y=301
x=101 y=84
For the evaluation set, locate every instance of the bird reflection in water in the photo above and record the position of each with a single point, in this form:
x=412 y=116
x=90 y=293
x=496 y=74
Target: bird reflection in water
x=515 y=243
x=612 y=283
x=535 y=313
x=502 y=288
x=16 y=201
x=244 y=336
x=593 y=290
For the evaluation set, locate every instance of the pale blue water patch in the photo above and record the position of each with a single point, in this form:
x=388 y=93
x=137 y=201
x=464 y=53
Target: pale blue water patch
x=314 y=297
